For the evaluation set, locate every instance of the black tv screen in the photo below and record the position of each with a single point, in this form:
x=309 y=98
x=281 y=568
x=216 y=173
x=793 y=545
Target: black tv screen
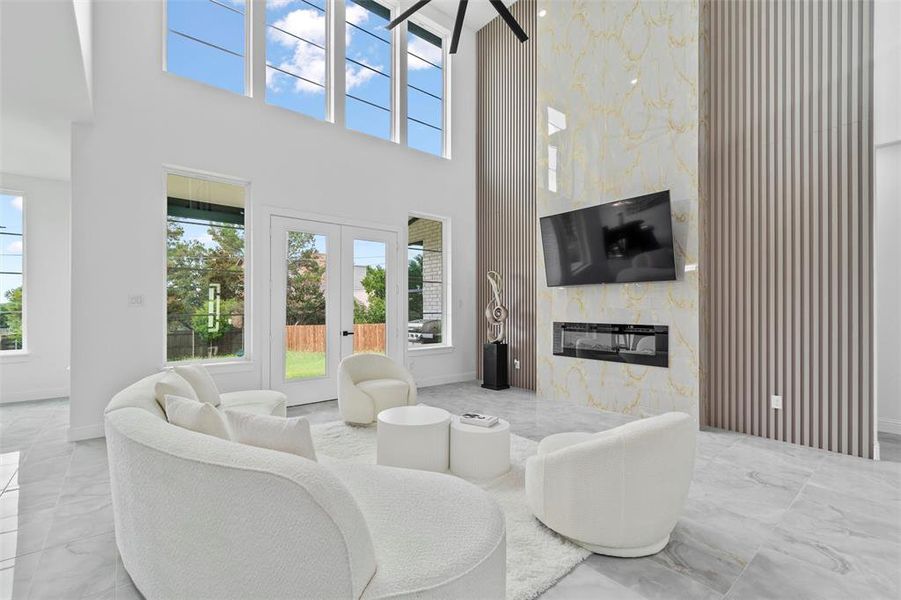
x=618 y=242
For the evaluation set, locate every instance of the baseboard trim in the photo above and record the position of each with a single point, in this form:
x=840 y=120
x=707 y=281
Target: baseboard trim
x=890 y=425
x=445 y=379
x=32 y=395
x=86 y=432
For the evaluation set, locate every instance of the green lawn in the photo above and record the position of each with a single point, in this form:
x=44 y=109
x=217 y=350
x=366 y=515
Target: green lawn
x=300 y=365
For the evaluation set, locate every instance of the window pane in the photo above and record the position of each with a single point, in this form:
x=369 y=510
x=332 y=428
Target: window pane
x=425 y=90
x=205 y=41
x=305 y=324
x=424 y=138
x=369 y=296
x=368 y=68
x=425 y=282
x=12 y=241
x=296 y=55
x=11 y=213
x=205 y=269
x=11 y=312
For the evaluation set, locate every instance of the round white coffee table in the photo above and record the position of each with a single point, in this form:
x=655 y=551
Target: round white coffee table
x=415 y=437
x=479 y=452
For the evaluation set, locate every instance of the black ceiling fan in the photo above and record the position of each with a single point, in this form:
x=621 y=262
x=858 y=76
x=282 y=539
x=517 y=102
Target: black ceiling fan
x=498 y=5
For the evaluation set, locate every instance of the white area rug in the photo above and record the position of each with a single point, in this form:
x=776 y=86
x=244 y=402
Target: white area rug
x=536 y=556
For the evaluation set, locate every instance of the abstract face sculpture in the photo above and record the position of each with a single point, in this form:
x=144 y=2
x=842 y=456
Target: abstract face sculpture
x=495 y=311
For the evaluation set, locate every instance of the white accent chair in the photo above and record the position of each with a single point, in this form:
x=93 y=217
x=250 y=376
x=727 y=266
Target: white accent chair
x=618 y=492
x=370 y=383
x=197 y=516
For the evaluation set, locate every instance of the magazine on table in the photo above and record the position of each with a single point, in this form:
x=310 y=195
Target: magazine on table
x=478 y=419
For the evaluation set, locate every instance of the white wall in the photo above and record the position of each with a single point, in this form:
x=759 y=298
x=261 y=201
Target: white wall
x=887 y=134
x=145 y=119
x=43 y=371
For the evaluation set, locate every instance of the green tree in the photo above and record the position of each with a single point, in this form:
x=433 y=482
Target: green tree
x=374 y=310
x=414 y=297
x=11 y=319
x=305 y=300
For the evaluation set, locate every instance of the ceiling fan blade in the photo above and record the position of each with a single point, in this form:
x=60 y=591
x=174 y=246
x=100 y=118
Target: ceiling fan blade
x=508 y=18
x=406 y=14
x=458 y=25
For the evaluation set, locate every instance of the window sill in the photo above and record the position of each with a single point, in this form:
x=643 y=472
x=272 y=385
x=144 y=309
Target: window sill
x=430 y=351
x=227 y=366
x=14 y=356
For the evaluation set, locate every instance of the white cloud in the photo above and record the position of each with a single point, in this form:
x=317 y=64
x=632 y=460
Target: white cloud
x=15 y=247
x=307 y=60
x=16 y=203
x=422 y=48
x=356 y=14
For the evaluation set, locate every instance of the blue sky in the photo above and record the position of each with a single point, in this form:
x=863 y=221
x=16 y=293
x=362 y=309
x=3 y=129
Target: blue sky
x=295 y=58
x=11 y=223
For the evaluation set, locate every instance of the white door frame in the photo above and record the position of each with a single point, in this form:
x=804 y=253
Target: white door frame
x=396 y=340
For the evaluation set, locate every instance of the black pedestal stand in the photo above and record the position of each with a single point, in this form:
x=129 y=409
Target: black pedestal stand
x=495 y=371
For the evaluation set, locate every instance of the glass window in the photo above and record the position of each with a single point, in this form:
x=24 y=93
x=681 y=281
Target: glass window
x=370 y=301
x=305 y=314
x=425 y=289
x=368 y=68
x=205 y=269
x=205 y=41
x=425 y=90
x=296 y=55
x=12 y=250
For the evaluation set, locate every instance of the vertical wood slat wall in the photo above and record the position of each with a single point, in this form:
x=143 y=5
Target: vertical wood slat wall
x=789 y=218
x=506 y=197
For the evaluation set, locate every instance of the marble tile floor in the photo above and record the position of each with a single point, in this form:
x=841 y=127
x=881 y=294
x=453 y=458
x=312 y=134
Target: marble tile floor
x=764 y=519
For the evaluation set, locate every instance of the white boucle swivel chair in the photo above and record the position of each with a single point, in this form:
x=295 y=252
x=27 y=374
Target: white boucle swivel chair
x=370 y=383
x=618 y=492
x=199 y=517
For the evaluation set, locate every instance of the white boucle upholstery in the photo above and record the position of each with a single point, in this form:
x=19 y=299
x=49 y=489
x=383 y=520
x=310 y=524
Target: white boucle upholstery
x=370 y=383
x=201 y=517
x=432 y=533
x=617 y=492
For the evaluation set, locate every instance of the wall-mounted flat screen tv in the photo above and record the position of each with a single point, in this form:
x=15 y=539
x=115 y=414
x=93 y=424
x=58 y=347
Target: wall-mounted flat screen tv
x=623 y=241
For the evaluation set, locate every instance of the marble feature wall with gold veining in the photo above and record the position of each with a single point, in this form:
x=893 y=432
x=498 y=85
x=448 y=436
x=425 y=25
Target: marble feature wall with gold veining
x=618 y=117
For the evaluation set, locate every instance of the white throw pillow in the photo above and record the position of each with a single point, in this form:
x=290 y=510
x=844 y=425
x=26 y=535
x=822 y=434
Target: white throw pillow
x=203 y=384
x=275 y=433
x=201 y=417
x=172 y=384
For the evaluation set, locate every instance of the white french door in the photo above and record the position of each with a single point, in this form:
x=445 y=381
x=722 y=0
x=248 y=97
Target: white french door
x=333 y=292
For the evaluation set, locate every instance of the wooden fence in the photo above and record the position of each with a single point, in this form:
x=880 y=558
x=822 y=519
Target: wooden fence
x=311 y=338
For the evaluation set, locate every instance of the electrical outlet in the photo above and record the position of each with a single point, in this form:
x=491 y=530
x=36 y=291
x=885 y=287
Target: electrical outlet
x=136 y=300
x=515 y=363
x=776 y=402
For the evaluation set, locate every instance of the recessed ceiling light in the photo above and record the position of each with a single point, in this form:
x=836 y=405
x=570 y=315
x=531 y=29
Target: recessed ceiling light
x=634 y=81
x=542 y=12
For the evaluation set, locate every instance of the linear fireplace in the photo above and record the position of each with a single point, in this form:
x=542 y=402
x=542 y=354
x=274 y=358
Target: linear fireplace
x=636 y=344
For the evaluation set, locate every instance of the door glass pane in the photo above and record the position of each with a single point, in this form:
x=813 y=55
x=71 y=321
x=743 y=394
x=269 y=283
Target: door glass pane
x=305 y=342
x=369 y=296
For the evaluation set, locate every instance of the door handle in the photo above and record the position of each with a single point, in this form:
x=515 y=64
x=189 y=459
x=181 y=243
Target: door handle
x=347 y=333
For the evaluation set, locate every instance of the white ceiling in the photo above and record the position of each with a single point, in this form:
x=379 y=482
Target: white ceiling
x=478 y=12
x=43 y=87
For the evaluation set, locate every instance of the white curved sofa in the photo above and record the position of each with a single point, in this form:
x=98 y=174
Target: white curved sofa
x=370 y=383
x=201 y=517
x=618 y=492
